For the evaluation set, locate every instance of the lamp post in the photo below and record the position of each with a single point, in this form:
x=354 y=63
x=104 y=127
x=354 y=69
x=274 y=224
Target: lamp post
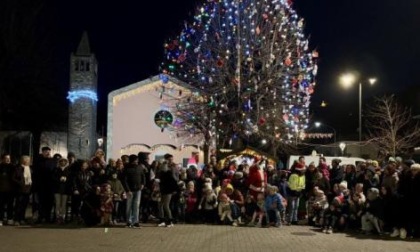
x=347 y=80
x=318 y=124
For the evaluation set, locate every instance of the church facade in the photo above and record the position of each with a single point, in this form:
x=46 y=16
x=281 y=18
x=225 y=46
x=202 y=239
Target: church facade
x=140 y=118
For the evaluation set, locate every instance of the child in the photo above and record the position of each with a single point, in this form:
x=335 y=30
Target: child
x=356 y=205
x=332 y=215
x=249 y=208
x=259 y=211
x=319 y=205
x=118 y=190
x=107 y=205
x=155 y=198
x=225 y=210
x=181 y=201
x=373 y=212
x=209 y=203
x=191 y=200
x=273 y=206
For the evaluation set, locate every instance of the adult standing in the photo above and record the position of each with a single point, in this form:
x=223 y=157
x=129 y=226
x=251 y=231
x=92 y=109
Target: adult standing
x=7 y=192
x=168 y=187
x=23 y=179
x=296 y=188
x=133 y=181
x=257 y=178
x=43 y=168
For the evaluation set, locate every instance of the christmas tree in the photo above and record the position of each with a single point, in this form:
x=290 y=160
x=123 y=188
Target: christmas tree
x=250 y=70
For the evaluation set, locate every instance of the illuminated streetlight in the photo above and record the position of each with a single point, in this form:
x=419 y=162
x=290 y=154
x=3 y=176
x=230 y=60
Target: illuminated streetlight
x=342 y=146
x=347 y=80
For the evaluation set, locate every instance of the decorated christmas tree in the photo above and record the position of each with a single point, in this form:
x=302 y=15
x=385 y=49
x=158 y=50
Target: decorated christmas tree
x=250 y=70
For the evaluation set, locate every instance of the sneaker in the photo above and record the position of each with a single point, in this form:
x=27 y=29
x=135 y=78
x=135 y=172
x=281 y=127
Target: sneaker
x=403 y=233
x=163 y=224
x=324 y=230
x=251 y=224
x=136 y=225
x=128 y=225
x=235 y=223
x=10 y=222
x=329 y=231
x=395 y=233
x=1 y=223
x=170 y=225
x=277 y=225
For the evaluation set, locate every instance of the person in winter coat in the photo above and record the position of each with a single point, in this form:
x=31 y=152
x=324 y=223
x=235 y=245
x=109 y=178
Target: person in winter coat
x=62 y=188
x=373 y=213
x=168 y=187
x=134 y=179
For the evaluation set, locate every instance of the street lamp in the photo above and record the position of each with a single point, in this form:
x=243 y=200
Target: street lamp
x=342 y=146
x=318 y=124
x=347 y=80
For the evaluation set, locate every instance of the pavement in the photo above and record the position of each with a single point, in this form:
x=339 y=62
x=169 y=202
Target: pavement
x=184 y=237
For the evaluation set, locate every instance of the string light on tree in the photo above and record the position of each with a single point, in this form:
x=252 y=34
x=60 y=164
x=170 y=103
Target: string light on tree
x=247 y=58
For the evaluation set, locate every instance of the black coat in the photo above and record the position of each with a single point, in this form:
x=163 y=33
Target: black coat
x=62 y=187
x=168 y=184
x=133 y=177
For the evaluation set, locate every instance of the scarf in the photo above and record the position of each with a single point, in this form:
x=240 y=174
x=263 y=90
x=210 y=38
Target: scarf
x=27 y=175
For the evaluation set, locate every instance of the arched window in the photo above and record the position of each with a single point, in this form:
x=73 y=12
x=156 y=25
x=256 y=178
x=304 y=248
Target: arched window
x=82 y=65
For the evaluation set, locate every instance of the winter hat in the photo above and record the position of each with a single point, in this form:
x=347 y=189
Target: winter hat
x=229 y=187
x=208 y=180
x=409 y=162
x=207 y=187
x=343 y=185
x=238 y=175
x=415 y=167
x=167 y=156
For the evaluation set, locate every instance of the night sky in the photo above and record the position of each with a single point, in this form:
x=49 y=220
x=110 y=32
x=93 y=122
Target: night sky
x=378 y=38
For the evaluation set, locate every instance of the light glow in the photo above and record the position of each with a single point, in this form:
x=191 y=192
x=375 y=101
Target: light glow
x=78 y=94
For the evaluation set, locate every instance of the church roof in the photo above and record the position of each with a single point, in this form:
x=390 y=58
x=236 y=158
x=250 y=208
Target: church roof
x=83 y=49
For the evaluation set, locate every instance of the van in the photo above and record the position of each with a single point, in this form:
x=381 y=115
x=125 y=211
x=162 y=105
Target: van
x=328 y=159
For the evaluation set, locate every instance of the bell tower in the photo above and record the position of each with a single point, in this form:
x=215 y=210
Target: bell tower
x=83 y=99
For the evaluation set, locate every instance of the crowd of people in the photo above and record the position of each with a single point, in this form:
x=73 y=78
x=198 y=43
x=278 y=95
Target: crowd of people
x=368 y=197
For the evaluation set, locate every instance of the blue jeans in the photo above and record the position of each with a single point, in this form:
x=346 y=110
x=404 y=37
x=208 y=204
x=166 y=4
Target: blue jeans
x=133 y=205
x=292 y=207
x=273 y=215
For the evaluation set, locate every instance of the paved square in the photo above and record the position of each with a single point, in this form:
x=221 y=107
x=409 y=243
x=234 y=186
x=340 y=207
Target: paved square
x=192 y=238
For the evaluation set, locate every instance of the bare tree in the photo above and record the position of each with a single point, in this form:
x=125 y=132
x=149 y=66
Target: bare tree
x=391 y=126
